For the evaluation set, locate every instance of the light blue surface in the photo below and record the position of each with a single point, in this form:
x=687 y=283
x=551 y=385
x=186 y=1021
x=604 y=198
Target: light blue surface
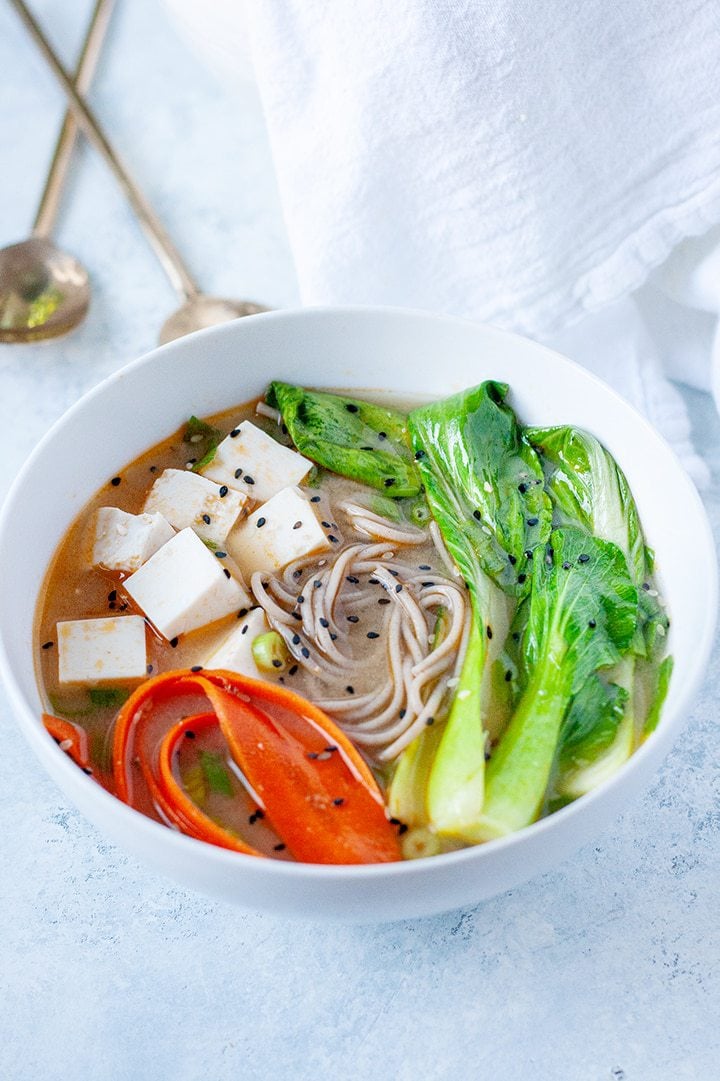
x=606 y=969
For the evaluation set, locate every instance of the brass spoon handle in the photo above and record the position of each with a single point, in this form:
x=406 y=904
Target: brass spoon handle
x=50 y=201
x=170 y=258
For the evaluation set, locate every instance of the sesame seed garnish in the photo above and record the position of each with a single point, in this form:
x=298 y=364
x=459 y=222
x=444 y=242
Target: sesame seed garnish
x=220 y=555
x=115 y=481
x=350 y=689
x=260 y=522
x=332 y=539
x=338 y=802
x=508 y=677
x=402 y=828
x=226 y=572
x=223 y=490
x=112 y=595
x=394 y=573
x=424 y=567
x=153 y=469
x=279 y=847
x=398 y=588
x=305 y=652
x=257 y=814
x=351 y=408
x=353 y=619
x=592 y=624
x=189 y=734
x=149 y=669
x=86 y=769
x=402 y=713
x=477 y=515
x=297 y=574
x=584 y=558
x=429 y=721
x=292 y=670
x=373 y=634
x=389 y=481
x=313 y=755
x=333 y=637
x=244 y=630
x=196 y=668
x=566 y=566
x=298 y=525
x=512 y=560
x=325 y=525
x=238 y=473
x=352 y=579
x=522 y=488
x=533 y=521
x=235 y=432
x=373 y=582
x=174 y=642
x=528 y=553
x=646 y=586
x=295 y=639
x=419 y=454
x=297 y=616
x=367 y=448
x=317 y=583
x=488 y=631
x=426 y=585
x=248 y=480
x=384 y=600
x=315 y=499
x=277 y=664
x=206 y=519
x=522 y=578
x=382 y=435
x=242 y=612
x=324 y=622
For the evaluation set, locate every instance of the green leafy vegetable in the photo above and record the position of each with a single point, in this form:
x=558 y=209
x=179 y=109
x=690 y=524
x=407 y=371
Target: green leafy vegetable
x=484 y=487
x=357 y=439
x=661 y=689
x=216 y=774
x=204 y=440
x=582 y=617
x=597 y=735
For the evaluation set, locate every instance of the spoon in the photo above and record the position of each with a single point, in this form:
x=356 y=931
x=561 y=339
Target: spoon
x=197 y=309
x=44 y=292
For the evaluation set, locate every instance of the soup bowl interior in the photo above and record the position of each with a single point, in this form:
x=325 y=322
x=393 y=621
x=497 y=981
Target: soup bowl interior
x=410 y=355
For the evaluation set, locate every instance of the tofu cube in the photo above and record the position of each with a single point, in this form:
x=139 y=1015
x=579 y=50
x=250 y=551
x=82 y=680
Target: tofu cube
x=184 y=586
x=283 y=529
x=187 y=499
x=123 y=542
x=102 y=650
x=235 y=650
x=255 y=463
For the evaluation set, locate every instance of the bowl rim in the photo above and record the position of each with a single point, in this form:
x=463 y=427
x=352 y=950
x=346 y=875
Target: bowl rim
x=157 y=833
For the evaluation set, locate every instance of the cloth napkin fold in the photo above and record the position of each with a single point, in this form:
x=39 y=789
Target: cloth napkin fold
x=522 y=162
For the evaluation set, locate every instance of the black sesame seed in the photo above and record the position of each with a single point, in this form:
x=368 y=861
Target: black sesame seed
x=522 y=488
x=297 y=574
x=153 y=469
x=317 y=583
x=112 y=606
x=646 y=586
x=312 y=755
x=488 y=631
x=424 y=567
x=419 y=454
x=189 y=734
x=338 y=802
x=398 y=588
x=284 y=429
x=295 y=639
x=402 y=828
x=235 y=432
x=533 y=521
x=351 y=408
x=512 y=560
x=384 y=600
x=324 y=622
x=86 y=769
x=325 y=525
x=174 y=642
x=592 y=624
x=584 y=558
x=566 y=566
x=223 y=490
x=112 y=595
x=293 y=670
x=477 y=515
x=305 y=652
x=244 y=630
x=429 y=721
x=394 y=573
x=124 y=607
x=149 y=669
x=333 y=637
x=528 y=553
x=277 y=664
x=206 y=519
x=115 y=481
x=315 y=499
x=508 y=677
x=260 y=522
x=382 y=435
x=297 y=525
x=394 y=821
x=226 y=572
x=402 y=713
x=373 y=582
x=516 y=636
x=248 y=480
x=353 y=619
x=331 y=748
x=332 y=539
x=279 y=848
x=389 y=481
x=367 y=448
x=373 y=634
x=196 y=668
x=301 y=599
x=297 y=616
x=48 y=645
x=352 y=579
x=522 y=578
x=426 y=585
x=350 y=689
x=242 y=612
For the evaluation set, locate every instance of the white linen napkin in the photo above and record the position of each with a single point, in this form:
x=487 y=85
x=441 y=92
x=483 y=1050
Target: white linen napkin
x=522 y=162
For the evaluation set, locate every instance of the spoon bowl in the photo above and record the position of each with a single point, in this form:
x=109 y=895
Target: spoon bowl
x=44 y=292
x=200 y=311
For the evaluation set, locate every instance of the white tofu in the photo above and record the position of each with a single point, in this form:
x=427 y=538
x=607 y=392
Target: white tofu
x=123 y=542
x=234 y=652
x=254 y=454
x=184 y=586
x=283 y=529
x=102 y=650
x=187 y=499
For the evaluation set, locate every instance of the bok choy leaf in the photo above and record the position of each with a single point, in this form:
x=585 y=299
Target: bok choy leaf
x=361 y=440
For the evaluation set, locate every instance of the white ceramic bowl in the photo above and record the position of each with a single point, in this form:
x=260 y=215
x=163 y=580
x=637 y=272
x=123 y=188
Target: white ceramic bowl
x=411 y=353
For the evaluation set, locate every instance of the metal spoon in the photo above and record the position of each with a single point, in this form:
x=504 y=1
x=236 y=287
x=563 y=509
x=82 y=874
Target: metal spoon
x=44 y=292
x=197 y=310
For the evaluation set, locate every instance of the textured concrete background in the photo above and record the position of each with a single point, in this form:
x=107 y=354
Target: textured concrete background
x=607 y=969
